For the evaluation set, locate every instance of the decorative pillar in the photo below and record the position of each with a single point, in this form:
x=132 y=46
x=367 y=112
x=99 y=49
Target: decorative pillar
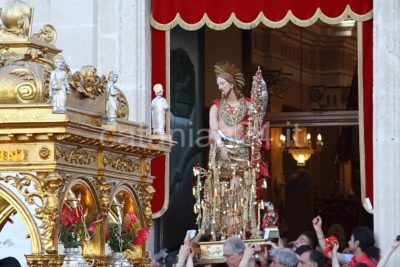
x=124 y=45
x=386 y=146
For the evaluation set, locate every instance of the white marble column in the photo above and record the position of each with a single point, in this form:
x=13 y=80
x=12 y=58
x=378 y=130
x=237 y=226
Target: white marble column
x=387 y=124
x=124 y=45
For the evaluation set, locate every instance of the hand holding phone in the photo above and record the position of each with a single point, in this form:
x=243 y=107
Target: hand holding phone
x=191 y=234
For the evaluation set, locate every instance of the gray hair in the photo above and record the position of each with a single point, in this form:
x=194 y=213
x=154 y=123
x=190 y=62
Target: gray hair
x=285 y=256
x=235 y=244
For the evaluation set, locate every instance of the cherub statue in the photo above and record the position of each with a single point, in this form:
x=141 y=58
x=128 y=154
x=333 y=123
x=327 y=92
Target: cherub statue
x=159 y=107
x=112 y=93
x=59 y=86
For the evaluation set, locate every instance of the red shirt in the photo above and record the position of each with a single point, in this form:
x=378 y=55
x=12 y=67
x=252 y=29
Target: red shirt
x=363 y=258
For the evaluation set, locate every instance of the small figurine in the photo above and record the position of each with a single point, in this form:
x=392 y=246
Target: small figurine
x=271 y=216
x=59 y=86
x=111 y=98
x=159 y=107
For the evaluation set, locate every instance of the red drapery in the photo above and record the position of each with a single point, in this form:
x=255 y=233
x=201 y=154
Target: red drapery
x=220 y=14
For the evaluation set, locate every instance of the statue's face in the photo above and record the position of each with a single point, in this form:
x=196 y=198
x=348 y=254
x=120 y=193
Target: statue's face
x=59 y=63
x=224 y=86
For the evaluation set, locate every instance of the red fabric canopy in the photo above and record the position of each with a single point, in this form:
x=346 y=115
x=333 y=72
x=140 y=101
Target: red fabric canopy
x=219 y=14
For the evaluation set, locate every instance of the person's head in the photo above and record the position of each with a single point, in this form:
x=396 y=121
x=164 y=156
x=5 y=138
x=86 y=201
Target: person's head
x=159 y=258
x=233 y=251
x=311 y=258
x=9 y=262
x=284 y=257
x=306 y=238
x=303 y=248
x=362 y=239
x=229 y=79
x=171 y=258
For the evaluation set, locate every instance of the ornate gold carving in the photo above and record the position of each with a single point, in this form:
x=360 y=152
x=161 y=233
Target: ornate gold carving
x=44 y=152
x=123 y=107
x=145 y=194
x=75 y=156
x=98 y=261
x=87 y=82
x=11 y=154
x=47 y=34
x=104 y=189
x=122 y=163
x=145 y=167
x=16 y=18
x=46 y=198
x=38 y=260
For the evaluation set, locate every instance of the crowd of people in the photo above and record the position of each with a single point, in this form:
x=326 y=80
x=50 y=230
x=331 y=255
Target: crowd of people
x=310 y=249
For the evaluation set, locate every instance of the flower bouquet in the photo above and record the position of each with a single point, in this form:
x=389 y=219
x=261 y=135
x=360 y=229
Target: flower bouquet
x=123 y=235
x=126 y=234
x=74 y=230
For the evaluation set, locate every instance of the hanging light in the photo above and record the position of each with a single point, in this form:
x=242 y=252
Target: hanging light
x=301 y=147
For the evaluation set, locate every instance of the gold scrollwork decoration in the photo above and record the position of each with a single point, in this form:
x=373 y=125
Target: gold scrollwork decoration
x=87 y=82
x=47 y=34
x=46 y=198
x=75 y=156
x=123 y=106
x=122 y=163
x=104 y=189
x=145 y=194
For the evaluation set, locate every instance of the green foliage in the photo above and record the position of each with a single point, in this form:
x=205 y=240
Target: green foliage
x=125 y=237
x=71 y=236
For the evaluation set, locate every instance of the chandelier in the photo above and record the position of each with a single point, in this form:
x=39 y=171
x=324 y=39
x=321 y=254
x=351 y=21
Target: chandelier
x=301 y=147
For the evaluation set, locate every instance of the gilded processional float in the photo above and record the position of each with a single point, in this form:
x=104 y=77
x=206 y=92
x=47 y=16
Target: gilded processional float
x=74 y=171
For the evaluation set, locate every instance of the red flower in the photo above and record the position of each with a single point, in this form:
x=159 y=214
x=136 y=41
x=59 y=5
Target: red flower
x=80 y=211
x=68 y=215
x=133 y=217
x=130 y=220
x=93 y=226
x=141 y=237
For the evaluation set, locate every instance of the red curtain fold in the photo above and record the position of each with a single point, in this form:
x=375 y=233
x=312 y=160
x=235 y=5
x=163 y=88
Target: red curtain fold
x=219 y=11
x=158 y=165
x=368 y=105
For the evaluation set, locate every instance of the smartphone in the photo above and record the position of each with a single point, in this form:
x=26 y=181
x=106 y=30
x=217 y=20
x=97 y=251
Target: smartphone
x=191 y=234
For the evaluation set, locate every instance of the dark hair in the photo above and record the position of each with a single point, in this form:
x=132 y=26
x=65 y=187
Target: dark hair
x=9 y=262
x=360 y=264
x=171 y=258
x=303 y=248
x=312 y=237
x=160 y=256
x=366 y=240
x=318 y=257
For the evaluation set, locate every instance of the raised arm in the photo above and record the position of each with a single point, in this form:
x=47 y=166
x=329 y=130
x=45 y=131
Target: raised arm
x=317 y=224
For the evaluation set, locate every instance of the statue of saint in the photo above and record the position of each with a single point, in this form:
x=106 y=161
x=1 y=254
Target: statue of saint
x=159 y=107
x=228 y=121
x=112 y=98
x=59 y=86
x=227 y=205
